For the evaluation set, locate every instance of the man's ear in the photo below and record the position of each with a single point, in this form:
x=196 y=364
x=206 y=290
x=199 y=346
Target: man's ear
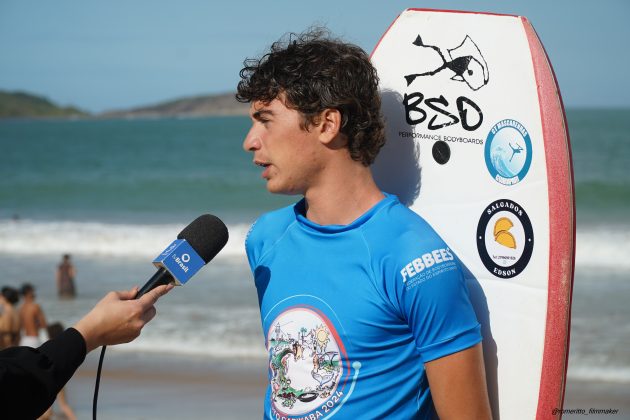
x=329 y=125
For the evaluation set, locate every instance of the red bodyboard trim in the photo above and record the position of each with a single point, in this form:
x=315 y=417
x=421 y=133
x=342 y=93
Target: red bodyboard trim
x=561 y=231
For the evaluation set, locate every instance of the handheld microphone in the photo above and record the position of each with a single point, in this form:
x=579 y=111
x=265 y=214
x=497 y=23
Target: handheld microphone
x=196 y=245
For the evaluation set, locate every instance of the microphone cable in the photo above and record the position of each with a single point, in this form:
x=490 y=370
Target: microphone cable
x=98 y=381
x=206 y=236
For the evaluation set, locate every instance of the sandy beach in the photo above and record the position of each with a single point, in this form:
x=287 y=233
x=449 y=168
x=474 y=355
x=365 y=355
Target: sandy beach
x=148 y=386
x=586 y=395
x=138 y=386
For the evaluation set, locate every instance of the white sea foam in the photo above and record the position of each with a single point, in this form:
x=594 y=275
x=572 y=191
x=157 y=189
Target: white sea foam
x=204 y=329
x=599 y=247
x=620 y=374
x=603 y=247
x=237 y=347
x=29 y=237
x=199 y=323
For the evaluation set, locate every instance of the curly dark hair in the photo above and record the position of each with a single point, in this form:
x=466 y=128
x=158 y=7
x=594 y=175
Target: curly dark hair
x=316 y=72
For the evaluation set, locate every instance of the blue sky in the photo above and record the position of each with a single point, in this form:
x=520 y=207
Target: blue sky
x=119 y=54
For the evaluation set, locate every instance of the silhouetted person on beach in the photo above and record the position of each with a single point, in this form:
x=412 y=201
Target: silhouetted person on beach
x=32 y=318
x=9 y=318
x=65 y=278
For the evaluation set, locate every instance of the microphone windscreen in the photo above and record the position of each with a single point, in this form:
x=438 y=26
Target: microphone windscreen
x=207 y=235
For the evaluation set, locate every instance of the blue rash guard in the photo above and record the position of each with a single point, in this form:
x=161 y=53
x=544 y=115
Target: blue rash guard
x=350 y=313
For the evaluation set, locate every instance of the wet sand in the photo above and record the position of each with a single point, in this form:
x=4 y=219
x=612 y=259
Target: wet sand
x=584 y=395
x=138 y=386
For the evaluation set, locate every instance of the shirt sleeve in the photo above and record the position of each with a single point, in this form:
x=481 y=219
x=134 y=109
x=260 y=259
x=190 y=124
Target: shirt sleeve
x=428 y=288
x=30 y=379
x=266 y=232
x=252 y=246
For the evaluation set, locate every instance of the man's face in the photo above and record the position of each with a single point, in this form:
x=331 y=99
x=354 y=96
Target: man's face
x=289 y=155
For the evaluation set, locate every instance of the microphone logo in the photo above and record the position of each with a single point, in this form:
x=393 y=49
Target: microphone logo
x=169 y=249
x=180 y=260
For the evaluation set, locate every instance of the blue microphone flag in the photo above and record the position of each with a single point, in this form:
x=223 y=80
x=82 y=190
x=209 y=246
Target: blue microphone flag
x=181 y=260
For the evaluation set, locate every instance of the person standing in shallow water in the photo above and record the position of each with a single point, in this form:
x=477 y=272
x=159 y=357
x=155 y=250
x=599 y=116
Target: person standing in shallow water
x=9 y=318
x=65 y=278
x=32 y=318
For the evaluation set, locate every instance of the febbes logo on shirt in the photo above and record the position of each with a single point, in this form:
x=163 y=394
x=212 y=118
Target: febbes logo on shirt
x=427 y=266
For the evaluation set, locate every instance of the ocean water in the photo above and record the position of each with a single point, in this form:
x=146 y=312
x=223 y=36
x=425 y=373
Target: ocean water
x=114 y=193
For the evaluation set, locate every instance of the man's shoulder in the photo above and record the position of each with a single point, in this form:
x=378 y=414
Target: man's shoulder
x=268 y=228
x=273 y=223
x=399 y=226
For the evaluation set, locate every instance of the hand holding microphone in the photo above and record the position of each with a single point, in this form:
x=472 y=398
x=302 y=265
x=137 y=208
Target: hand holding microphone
x=31 y=378
x=194 y=247
x=118 y=317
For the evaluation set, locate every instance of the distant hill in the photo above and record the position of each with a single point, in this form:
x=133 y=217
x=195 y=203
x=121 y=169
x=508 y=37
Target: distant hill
x=26 y=105
x=198 y=106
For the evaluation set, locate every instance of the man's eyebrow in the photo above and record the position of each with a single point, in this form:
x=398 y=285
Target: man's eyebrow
x=262 y=112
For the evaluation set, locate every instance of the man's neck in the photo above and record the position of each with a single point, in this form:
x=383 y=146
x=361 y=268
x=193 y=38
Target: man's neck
x=342 y=196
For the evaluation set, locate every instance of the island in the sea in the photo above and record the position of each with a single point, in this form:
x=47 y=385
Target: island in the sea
x=28 y=105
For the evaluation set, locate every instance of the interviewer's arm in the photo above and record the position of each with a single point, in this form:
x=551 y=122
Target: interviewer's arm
x=31 y=378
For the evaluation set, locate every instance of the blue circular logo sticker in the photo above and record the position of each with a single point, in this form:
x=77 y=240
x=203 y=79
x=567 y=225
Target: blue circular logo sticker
x=508 y=152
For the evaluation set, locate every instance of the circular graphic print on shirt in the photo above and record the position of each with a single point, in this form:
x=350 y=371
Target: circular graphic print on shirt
x=304 y=361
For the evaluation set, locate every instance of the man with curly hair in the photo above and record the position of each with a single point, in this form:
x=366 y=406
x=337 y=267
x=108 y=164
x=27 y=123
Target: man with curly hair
x=371 y=296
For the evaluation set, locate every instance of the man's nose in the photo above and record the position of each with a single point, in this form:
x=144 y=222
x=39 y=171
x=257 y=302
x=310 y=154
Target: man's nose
x=252 y=141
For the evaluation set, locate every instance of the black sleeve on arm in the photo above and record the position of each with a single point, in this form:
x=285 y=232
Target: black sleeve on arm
x=31 y=378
